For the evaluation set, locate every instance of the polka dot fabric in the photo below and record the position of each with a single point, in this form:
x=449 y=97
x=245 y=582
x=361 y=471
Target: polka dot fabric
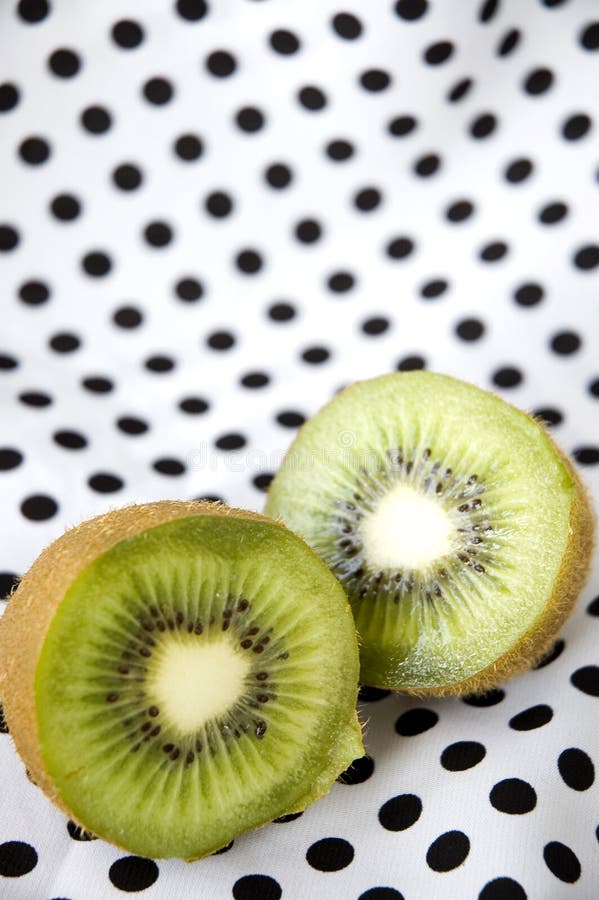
x=214 y=216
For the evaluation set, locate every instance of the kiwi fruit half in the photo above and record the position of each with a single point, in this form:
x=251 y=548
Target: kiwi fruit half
x=176 y=673
x=459 y=530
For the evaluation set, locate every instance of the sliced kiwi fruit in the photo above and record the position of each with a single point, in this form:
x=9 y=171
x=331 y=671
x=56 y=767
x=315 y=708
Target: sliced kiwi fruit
x=176 y=673
x=460 y=532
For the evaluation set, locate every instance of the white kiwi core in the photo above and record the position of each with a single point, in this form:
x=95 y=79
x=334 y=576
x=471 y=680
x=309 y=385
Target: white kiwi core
x=194 y=680
x=407 y=530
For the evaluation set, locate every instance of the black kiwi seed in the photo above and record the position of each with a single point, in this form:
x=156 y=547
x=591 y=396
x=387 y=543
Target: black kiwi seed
x=153 y=711
x=260 y=729
x=112 y=698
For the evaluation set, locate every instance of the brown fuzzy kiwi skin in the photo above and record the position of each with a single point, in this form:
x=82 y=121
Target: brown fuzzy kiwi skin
x=539 y=638
x=26 y=620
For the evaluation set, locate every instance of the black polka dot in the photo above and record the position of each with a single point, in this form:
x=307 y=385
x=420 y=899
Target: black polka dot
x=70 y=440
x=411 y=364
x=576 y=768
x=448 y=851
x=509 y=42
x=438 y=53
x=400 y=247
x=249 y=262
x=10 y=458
x=132 y=425
x=488 y=9
x=9 y=96
x=8 y=582
x=158 y=234
x=513 y=796
x=375 y=80
x=133 y=873
x=587 y=257
x=263 y=481
x=347 y=26
x=291 y=817
x=64 y=63
x=232 y=441
x=381 y=893
x=433 y=289
x=367 y=199
x=518 y=170
x=470 y=329
x=167 y=465
x=460 y=89
x=371 y=694
x=8 y=362
x=330 y=854
x=36 y=399
x=552 y=213
x=250 y=119
x=97 y=384
x=489 y=698
x=576 y=126
x=502 y=888
x=284 y=42
x=189 y=147
x=565 y=343
x=64 y=342
x=340 y=282
x=127 y=317
x=562 y=862
x=427 y=165
x=192 y=10
x=32 y=11
x=493 y=252
x=105 y=483
x=189 y=289
x=462 y=755
x=194 y=405
x=65 y=207
x=76 y=833
x=401 y=812
x=593 y=607
x=529 y=294
x=507 y=377
x=359 y=771
x=312 y=98
x=127 y=34
x=158 y=91
x=278 y=176
x=531 y=718
x=375 y=325
x=459 y=211
x=3 y=723
x=220 y=340
x=9 y=238
x=127 y=176
x=290 y=419
x=218 y=204
x=221 y=63
x=254 y=380
x=34 y=150
x=416 y=721
x=224 y=849
x=586 y=679
x=589 y=36
x=401 y=126
x=159 y=363
x=257 y=887
x=538 y=81
x=410 y=10
x=483 y=126
x=549 y=415
x=308 y=231
x=39 y=507
x=339 y=150
x=96 y=119
x=96 y=263
x=281 y=312
x=16 y=859
x=315 y=355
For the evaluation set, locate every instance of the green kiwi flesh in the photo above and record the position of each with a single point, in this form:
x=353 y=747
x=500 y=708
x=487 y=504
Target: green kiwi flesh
x=460 y=532
x=196 y=679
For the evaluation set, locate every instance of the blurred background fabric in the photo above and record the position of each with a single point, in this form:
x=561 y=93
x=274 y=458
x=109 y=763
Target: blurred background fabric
x=214 y=215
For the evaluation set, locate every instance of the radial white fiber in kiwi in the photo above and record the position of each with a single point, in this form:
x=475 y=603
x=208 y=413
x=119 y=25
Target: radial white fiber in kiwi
x=176 y=673
x=460 y=532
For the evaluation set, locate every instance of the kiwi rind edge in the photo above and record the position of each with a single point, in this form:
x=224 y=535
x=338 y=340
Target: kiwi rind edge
x=26 y=620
